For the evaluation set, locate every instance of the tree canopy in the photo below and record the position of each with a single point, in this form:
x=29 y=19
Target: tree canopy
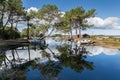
x=12 y=10
x=10 y=13
x=49 y=13
x=76 y=18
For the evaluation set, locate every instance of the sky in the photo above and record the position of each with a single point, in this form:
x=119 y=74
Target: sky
x=106 y=20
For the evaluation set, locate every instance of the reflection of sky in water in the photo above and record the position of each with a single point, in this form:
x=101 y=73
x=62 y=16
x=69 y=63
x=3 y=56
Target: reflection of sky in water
x=105 y=67
x=53 y=43
x=33 y=74
x=96 y=50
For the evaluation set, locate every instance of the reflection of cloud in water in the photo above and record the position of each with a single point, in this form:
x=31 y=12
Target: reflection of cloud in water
x=23 y=54
x=51 y=42
x=96 y=50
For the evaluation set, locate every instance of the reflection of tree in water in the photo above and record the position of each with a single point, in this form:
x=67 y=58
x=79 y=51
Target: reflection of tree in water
x=50 y=69
x=69 y=58
x=7 y=73
x=1 y=59
x=15 y=68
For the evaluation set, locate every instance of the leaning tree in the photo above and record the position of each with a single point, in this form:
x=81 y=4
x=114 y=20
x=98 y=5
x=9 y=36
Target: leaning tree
x=10 y=13
x=50 y=14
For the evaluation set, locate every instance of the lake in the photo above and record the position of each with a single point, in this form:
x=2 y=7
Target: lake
x=60 y=60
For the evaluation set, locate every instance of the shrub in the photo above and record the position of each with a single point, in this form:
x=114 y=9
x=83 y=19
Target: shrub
x=111 y=37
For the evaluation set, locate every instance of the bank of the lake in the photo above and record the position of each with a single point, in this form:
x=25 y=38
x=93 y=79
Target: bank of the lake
x=113 y=43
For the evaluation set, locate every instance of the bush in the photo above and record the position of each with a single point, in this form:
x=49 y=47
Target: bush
x=10 y=34
x=86 y=36
x=57 y=35
x=111 y=36
x=93 y=37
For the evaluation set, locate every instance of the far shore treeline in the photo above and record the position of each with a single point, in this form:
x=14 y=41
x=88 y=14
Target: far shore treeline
x=46 y=20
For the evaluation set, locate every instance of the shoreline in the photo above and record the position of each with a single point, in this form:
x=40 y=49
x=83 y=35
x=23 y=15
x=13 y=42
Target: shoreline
x=108 y=46
x=113 y=43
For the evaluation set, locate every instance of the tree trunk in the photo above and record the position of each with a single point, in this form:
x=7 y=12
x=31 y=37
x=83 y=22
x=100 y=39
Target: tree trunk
x=1 y=24
x=71 y=36
x=80 y=32
x=76 y=33
x=29 y=53
x=4 y=25
x=13 y=55
x=70 y=29
x=11 y=30
x=28 y=30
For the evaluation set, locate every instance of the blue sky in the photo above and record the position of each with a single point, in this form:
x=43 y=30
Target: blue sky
x=107 y=12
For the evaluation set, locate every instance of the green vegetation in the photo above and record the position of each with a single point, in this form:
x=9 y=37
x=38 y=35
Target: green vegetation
x=111 y=36
x=50 y=14
x=15 y=33
x=10 y=13
x=75 y=19
x=54 y=20
x=107 y=42
x=73 y=59
x=112 y=41
x=57 y=35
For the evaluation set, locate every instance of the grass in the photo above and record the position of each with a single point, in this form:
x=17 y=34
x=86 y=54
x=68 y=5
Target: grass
x=108 y=42
x=112 y=43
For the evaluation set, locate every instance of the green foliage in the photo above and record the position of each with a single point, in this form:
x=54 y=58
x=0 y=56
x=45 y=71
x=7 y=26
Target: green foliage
x=15 y=33
x=15 y=6
x=75 y=18
x=31 y=32
x=1 y=59
x=24 y=32
x=76 y=62
x=48 y=13
x=111 y=37
x=35 y=31
x=93 y=37
x=62 y=26
x=32 y=13
x=63 y=49
x=50 y=69
x=43 y=28
x=73 y=13
x=78 y=14
x=14 y=10
x=57 y=35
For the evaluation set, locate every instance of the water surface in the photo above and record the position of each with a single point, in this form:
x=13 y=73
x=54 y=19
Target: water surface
x=60 y=61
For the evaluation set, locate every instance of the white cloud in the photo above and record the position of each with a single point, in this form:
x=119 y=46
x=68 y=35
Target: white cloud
x=96 y=50
x=32 y=8
x=38 y=22
x=116 y=27
x=108 y=23
x=62 y=14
